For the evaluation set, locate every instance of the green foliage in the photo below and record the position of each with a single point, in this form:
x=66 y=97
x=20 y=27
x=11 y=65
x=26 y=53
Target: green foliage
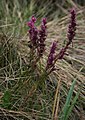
x=68 y=107
x=6 y=99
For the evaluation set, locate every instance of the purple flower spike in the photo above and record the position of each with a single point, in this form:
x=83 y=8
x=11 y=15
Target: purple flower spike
x=33 y=32
x=51 y=57
x=33 y=19
x=44 y=20
x=70 y=35
x=53 y=48
x=30 y=24
x=42 y=37
x=72 y=26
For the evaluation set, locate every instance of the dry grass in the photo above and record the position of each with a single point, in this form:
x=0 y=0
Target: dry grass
x=73 y=64
x=71 y=67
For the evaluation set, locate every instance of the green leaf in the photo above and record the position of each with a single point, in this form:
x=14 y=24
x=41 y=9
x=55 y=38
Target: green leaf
x=72 y=105
x=6 y=99
x=68 y=100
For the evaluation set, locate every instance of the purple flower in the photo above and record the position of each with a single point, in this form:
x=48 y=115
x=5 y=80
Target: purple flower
x=38 y=37
x=33 y=19
x=53 y=48
x=33 y=31
x=44 y=21
x=70 y=35
x=30 y=24
x=42 y=37
x=72 y=26
x=51 y=57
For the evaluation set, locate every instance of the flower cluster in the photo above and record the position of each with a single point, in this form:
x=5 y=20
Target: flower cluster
x=42 y=37
x=38 y=37
x=70 y=34
x=72 y=26
x=33 y=32
x=51 y=57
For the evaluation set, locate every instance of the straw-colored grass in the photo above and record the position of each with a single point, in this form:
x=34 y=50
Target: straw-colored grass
x=27 y=102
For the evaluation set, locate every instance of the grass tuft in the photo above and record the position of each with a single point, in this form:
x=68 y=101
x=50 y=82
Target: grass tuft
x=19 y=96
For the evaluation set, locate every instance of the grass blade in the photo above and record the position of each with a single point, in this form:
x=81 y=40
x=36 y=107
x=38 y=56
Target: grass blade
x=68 y=100
x=72 y=105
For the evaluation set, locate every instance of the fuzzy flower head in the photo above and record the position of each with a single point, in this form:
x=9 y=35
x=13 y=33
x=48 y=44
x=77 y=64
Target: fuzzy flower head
x=43 y=26
x=44 y=20
x=33 y=31
x=71 y=33
x=31 y=22
x=72 y=26
x=42 y=37
x=51 y=56
x=53 y=48
x=33 y=19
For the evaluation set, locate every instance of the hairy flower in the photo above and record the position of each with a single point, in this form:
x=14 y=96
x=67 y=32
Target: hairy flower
x=72 y=26
x=33 y=19
x=53 y=48
x=51 y=57
x=44 y=21
x=38 y=37
x=33 y=31
x=71 y=33
x=42 y=37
